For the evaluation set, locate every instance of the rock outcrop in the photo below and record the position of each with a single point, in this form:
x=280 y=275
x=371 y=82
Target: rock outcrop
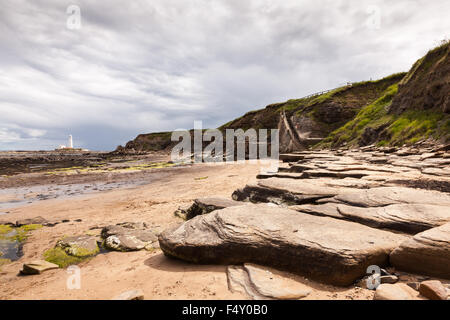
x=409 y=218
x=384 y=196
x=330 y=250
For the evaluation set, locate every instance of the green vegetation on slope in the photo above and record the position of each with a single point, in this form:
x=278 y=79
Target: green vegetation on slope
x=412 y=110
x=375 y=114
x=406 y=128
x=328 y=110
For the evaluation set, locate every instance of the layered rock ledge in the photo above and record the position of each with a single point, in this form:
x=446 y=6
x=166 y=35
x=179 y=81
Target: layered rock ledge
x=326 y=249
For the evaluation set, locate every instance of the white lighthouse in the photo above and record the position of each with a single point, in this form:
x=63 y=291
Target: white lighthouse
x=70 y=145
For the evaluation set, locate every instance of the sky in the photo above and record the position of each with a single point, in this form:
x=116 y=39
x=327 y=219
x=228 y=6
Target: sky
x=106 y=71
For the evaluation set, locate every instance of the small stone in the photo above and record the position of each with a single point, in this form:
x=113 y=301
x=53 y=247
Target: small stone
x=393 y=292
x=389 y=279
x=51 y=224
x=181 y=212
x=130 y=295
x=37 y=267
x=433 y=289
x=414 y=285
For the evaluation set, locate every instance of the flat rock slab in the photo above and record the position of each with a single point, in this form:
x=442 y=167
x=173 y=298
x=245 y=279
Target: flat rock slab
x=409 y=218
x=383 y=196
x=326 y=249
x=265 y=283
x=209 y=204
x=37 y=267
x=426 y=253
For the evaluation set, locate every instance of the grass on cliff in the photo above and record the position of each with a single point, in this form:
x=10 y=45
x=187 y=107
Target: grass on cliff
x=346 y=94
x=408 y=127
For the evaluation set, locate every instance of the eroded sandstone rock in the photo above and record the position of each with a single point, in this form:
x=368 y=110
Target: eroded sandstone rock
x=129 y=237
x=286 y=191
x=433 y=289
x=208 y=204
x=265 y=283
x=79 y=246
x=329 y=250
x=383 y=196
x=426 y=253
x=37 y=267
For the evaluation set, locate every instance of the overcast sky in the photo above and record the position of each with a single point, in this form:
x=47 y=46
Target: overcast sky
x=158 y=65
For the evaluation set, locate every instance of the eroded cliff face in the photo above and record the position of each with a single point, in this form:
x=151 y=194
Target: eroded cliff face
x=427 y=85
x=415 y=109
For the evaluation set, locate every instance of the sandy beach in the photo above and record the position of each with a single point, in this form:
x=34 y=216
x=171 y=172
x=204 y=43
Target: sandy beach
x=159 y=277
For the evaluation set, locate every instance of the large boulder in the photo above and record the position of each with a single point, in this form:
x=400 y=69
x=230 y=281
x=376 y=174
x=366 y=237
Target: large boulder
x=427 y=253
x=409 y=218
x=329 y=250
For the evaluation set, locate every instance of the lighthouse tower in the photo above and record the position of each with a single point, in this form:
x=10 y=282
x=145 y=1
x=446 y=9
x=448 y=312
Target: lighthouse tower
x=70 y=145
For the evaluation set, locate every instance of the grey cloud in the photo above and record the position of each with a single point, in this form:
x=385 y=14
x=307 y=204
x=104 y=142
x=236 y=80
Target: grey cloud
x=142 y=66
